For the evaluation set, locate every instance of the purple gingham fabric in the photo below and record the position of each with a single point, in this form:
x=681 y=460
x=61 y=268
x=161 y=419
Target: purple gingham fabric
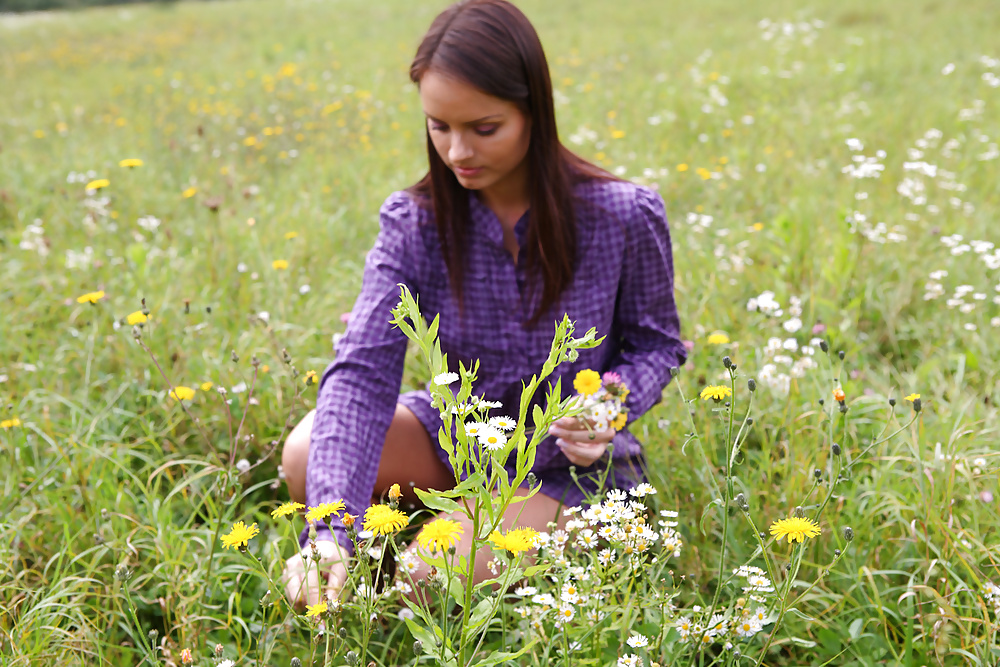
x=623 y=287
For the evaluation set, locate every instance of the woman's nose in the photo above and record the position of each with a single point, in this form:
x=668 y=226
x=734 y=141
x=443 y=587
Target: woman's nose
x=460 y=150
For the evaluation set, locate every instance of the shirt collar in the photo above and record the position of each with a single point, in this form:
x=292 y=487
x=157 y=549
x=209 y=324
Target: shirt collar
x=485 y=222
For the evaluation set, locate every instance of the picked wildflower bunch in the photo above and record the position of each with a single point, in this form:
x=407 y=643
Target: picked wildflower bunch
x=602 y=398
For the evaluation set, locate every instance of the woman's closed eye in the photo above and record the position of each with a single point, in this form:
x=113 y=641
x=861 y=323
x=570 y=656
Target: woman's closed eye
x=481 y=130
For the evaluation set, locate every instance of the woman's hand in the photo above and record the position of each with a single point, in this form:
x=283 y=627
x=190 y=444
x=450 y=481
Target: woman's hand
x=580 y=445
x=301 y=577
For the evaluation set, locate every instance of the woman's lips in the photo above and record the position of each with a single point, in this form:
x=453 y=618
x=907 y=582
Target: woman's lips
x=468 y=172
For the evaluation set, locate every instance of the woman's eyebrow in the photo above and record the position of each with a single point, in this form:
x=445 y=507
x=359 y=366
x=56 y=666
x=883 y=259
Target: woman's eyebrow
x=471 y=122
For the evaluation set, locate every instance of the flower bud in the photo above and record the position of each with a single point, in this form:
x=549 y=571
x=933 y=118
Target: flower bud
x=348 y=519
x=823 y=345
x=840 y=354
x=835 y=449
x=798 y=512
x=342 y=632
x=235 y=357
x=843 y=408
x=122 y=573
x=741 y=502
x=531 y=480
x=572 y=355
x=817 y=473
x=352 y=658
x=727 y=362
x=916 y=405
x=295 y=663
x=749 y=421
x=186 y=657
x=836 y=553
x=418 y=646
x=674 y=371
x=752 y=384
x=218 y=650
x=848 y=533
x=892 y=402
x=733 y=367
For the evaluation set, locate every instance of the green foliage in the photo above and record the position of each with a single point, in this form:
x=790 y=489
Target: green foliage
x=273 y=131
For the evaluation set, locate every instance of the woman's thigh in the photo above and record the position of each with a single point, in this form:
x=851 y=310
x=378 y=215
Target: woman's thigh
x=409 y=458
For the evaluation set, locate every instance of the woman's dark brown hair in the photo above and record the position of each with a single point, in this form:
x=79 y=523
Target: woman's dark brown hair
x=491 y=45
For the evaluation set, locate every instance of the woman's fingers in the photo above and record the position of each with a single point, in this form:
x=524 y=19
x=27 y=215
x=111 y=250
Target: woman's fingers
x=582 y=453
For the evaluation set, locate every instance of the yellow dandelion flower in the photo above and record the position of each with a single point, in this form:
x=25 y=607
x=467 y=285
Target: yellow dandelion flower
x=205 y=386
x=280 y=264
x=287 y=509
x=515 y=541
x=618 y=423
x=130 y=162
x=240 y=535
x=394 y=492
x=310 y=377
x=383 y=520
x=757 y=226
x=718 y=339
x=795 y=529
x=587 y=382
x=617 y=134
x=440 y=534
x=90 y=297
x=190 y=192
x=716 y=392
x=324 y=510
x=250 y=141
x=182 y=393
x=290 y=235
x=265 y=368
x=10 y=423
x=912 y=397
x=316 y=609
x=98 y=184
x=682 y=167
x=138 y=317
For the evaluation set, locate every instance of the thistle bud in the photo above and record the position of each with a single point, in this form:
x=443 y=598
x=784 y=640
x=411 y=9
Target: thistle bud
x=848 y=533
x=727 y=362
x=733 y=367
x=752 y=384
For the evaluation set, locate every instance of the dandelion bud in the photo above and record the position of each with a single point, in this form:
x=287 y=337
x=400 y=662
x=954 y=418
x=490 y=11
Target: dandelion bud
x=823 y=345
x=788 y=567
x=218 y=650
x=348 y=520
x=752 y=384
x=836 y=553
x=136 y=332
x=342 y=632
x=395 y=493
x=104 y=513
x=153 y=634
x=352 y=658
x=295 y=663
x=733 y=367
x=674 y=371
x=798 y=512
x=122 y=573
x=418 y=646
x=817 y=473
x=892 y=402
x=451 y=550
x=741 y=502
x=843 y=408
x=840 y=354
x=208 y=309
x=822 y=401
x=749 y=421
x=916 y=405
x=254 y=361
x=835 y=449
x=531 y=480
x=848 y=533
x=235 y=357
x=727 y=362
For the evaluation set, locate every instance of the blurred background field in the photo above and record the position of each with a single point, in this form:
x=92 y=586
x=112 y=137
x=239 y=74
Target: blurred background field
x=829 y=169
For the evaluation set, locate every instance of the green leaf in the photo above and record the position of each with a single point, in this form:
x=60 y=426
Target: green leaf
x=705 y=513
x=482 y=612
x=794 y=610
x=798 y=641
x=857 y=625
x=436 y=501
x=498 y=657
x=535 y=569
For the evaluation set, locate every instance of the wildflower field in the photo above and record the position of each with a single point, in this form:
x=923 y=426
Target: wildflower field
x=187 y=194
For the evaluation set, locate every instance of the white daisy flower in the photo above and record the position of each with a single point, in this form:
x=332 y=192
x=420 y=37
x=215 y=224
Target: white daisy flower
x=503 y=423
x=491 y=438
x=630 y=660
x=570 y=511
x=642 y=490
x=445 y=378
x=526 y=591
x=637 y=641
x=473 y=429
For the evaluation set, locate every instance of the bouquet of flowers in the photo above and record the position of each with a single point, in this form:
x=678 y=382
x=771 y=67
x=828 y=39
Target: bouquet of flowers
x=602 y=398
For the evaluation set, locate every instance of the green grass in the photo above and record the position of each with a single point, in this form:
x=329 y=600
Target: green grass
x=105 y=469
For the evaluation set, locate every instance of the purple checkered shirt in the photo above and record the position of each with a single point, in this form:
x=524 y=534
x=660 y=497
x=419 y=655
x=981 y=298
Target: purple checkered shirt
x=623 y=287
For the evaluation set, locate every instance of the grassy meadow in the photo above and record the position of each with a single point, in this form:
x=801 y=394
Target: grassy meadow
x=830 y=173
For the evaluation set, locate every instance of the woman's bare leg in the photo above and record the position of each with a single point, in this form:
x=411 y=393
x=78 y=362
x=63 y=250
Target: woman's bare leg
x=408 y=458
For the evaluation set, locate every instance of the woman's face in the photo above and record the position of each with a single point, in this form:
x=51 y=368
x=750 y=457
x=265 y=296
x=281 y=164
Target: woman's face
x=483 y=139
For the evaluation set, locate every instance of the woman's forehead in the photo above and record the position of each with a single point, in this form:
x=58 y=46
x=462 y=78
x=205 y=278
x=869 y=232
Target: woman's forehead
x=449 y=99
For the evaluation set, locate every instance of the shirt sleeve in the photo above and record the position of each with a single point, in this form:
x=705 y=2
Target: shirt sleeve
x=646 y=312
x=359 y=390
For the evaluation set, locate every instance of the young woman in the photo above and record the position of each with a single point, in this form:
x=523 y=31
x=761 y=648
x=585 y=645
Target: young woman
x=507 y=232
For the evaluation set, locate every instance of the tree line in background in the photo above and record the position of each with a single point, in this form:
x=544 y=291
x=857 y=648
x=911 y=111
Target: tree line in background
x=37 y=5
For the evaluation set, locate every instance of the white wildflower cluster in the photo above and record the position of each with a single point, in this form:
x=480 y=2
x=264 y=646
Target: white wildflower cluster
x=583 y=135
x=785 y=33
x=605 y=407
x=81 y=177
x=878 y=233
x=629 y=660
x=965 y=298
x=491 y=434
x=732 y=258
x=865 y=167
x=33 y=238
x=766 y=303
x=785 y=359
x=699 y=222
x=149 y=222
x=920 y=173
x=740 y=622
x=598 y=545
